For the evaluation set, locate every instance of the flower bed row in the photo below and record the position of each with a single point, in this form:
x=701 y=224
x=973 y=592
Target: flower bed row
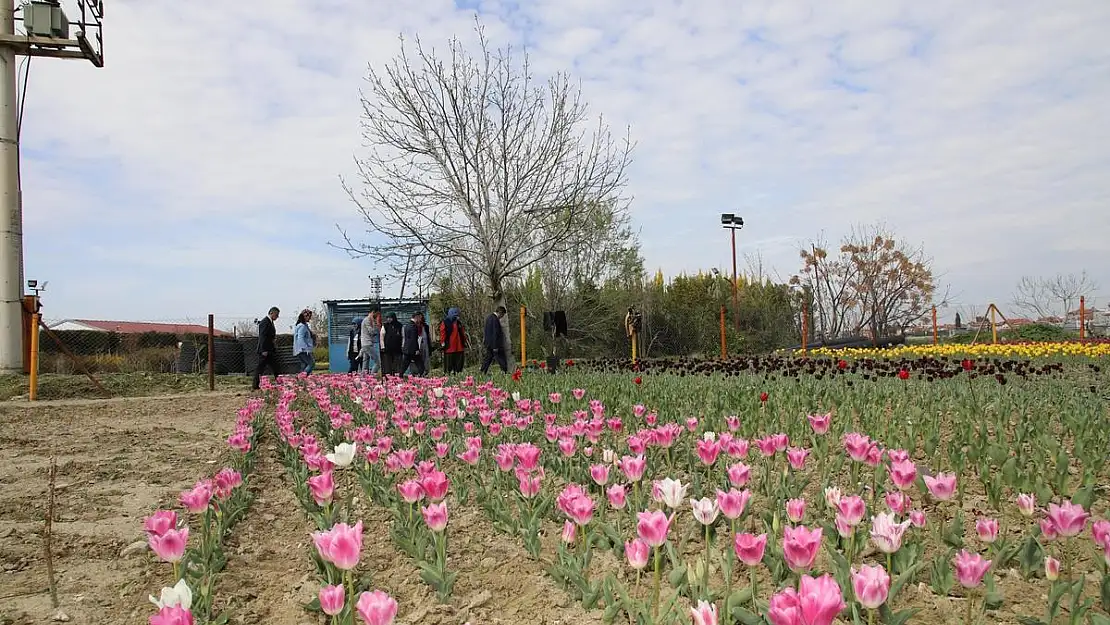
x=192 y=542
x=688 y=501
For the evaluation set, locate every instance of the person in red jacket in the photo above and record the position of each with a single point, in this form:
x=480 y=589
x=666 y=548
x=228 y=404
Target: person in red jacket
x=452 y=340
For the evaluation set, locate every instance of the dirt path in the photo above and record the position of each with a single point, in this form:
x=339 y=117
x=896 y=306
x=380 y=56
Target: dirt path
x=117 y=462
x=269 y=574
x=55 y=403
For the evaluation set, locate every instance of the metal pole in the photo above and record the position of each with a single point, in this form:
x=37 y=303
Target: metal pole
x=211 y=352
x=994 y=326
x=805 y=328
x=11 y=215
x=935 y=325
x=735 y=283
x=1082 y=317
x=34 y=391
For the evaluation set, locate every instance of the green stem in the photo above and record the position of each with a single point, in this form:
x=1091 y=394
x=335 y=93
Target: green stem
x=870 y=617
x=705 y=573
x=751 y=577
x=655 y=585
x=970 y=602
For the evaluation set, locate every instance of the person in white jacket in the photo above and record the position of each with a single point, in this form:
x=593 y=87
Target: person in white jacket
x=371 y=342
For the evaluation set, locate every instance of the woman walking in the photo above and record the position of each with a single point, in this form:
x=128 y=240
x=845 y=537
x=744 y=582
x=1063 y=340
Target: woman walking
x=304 y=342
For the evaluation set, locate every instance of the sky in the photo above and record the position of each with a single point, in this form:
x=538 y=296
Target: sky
x=199 y=171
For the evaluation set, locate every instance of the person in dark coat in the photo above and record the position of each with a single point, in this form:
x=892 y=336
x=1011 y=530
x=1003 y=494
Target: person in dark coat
x=416 y=346
x=267 y=347
x=354 y=345
x=493 y=336
x=392 y=341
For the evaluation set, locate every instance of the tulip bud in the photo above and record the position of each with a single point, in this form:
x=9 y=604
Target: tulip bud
x=1051 y=569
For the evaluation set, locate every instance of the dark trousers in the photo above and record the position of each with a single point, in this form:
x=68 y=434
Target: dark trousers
x=412 y=359
x=453 y=362
x=391 y=364
x=499 y=356
x=269 y=360
x=356 y=362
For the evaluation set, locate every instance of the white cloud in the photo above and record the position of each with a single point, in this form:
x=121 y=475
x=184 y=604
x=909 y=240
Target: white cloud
x=209 y=147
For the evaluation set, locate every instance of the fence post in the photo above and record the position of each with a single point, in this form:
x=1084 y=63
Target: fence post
x=994 y=326
x=523 y=338
x=934 y=325
x=211 y=352
x=34 y=355
x=1082 y=317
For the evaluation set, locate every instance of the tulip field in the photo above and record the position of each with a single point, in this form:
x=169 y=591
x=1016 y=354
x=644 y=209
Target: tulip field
x=779 y=490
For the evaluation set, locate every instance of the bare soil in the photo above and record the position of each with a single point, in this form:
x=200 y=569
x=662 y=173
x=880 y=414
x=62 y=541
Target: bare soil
x=120 y=459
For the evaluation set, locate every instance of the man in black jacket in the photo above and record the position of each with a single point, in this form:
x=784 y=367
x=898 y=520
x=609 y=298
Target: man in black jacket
x=494 y=338
x=392 y=341
x=417 y=345
x=267 y=347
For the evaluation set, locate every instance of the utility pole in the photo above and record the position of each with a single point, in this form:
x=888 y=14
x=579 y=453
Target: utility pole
x=47 y=35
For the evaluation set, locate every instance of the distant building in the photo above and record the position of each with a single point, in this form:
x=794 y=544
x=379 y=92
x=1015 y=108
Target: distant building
x=133 y=327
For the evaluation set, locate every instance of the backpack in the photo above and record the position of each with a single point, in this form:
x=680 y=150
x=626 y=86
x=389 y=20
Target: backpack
x=393 y=338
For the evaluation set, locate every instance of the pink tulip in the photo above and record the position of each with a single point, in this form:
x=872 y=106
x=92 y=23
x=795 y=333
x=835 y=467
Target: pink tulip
x=322 y=487
x=576 y=504
x=857 y=446
x=617 y=495
x=852 y=508
x=970 y=568
x=733 y=503
x=170 y=545
x=832 y=496
x=411 y=491
x=796 y=456
x=160 y=522
x=897 y=501
x=917 y=518
x=871 y=585
x=1048 y=530
x=197 y=499
x=633 y=467
x=376 y=608
x=1100 y=531
x=942 y=487
x=569 y=530
x=1027 y=504
x=652 y=527
x=820 y=423
x=886 y=534
x=1051 y=569
x=987 y=529
x=704 y=613
x=800 y=546
x=332 y=599
x=341 y=545
x=903 y=474
x=435 y=485
x=529 y=484
x=435 y=516
x=1070 y=519
x=816 y=602
x=173 y=615
x=739 y=474
x=600 y=474
x=767 y=446
x=898 y=455
x=749 y=548
x=843 y=527
x=637 y=552
x=707 y=451
x=733 y=423
x=796 y=510
x=226 y=481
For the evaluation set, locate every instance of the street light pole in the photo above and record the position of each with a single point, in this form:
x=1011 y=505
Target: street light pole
x=733 y=222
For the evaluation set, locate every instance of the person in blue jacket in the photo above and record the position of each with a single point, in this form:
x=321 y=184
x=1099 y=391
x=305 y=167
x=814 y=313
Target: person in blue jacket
x=304 y=342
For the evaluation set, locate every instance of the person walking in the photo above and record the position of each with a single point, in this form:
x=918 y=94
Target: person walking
x=452 y=339
x=304 y=342
x=392 y=342
x=354 y=345
x=416 y=346
x=493 y=335
x=267 y=347
x=371 y=342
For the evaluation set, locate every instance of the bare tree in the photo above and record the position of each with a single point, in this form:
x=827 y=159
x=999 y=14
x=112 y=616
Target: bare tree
x=1057 y=296
x=472 y=161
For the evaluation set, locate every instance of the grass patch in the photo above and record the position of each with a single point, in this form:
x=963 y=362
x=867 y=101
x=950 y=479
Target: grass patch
x=56 y=386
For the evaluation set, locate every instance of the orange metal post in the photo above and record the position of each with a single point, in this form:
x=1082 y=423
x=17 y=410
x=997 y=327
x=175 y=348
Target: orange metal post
x=1082 y=317
x=211 y=352
x=724 y=340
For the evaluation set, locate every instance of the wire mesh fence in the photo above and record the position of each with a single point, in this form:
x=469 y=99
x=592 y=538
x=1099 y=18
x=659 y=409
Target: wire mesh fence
x=76 y=346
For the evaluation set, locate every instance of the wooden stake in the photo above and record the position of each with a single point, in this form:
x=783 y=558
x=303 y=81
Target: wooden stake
x=46 y=534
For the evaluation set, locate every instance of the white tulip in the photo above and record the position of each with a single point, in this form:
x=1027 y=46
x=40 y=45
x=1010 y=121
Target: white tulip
x=671 y=493
x=343 y=455
x=179 y=595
